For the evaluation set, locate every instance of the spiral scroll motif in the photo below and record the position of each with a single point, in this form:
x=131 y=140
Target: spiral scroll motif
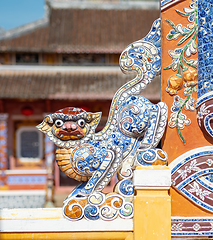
x=100 y=206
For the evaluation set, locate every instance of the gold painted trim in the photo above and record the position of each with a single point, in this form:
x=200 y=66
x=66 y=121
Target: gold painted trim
x=69 y=236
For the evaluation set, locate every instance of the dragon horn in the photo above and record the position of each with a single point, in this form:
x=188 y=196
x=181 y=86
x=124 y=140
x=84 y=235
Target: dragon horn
x=46 y=125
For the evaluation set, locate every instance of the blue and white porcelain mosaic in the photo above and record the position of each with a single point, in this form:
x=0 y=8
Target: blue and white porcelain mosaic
x=192 y=176
x=205 y=67
x=205 y=47
x=134 y=127
x=199 y=227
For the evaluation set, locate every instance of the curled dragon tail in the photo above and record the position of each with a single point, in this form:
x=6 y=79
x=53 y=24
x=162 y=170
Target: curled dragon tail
x=144 y=58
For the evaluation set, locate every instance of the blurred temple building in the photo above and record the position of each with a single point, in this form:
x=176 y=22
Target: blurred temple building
x=70 y=58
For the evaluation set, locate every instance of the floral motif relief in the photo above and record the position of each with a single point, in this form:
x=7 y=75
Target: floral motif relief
x=188 y=169
x=184 y=66
x=190 y=227
x=196 y=227
x=191 y=175
x=198 y=191
x=177 y=227
x=203 y=112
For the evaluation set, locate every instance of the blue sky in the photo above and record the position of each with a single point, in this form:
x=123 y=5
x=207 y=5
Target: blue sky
x=15 y=13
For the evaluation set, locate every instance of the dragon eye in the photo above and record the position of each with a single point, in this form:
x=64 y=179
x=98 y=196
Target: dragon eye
x=81 y=123
x=59 y=123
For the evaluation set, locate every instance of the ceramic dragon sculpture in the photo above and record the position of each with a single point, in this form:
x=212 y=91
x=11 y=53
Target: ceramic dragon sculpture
x=133 y=130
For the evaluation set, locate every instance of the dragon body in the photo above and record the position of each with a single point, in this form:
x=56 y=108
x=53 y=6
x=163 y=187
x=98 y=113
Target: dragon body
x=134 y=126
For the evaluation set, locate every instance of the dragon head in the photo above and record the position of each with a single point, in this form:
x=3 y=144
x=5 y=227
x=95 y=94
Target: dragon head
x=68 y=125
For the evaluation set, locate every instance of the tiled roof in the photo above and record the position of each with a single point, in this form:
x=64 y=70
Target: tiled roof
x=31 y=37
x=98 y=30
x=66 y=83
x=74 y=30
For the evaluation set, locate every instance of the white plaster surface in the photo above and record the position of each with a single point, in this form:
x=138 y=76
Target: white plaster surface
x=51 y=220
x=160 y=179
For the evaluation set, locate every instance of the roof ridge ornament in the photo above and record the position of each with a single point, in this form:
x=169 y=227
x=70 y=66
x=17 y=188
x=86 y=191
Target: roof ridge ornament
x=129 y=139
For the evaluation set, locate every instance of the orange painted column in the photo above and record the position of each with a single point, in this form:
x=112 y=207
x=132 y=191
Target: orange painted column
x=187 y=147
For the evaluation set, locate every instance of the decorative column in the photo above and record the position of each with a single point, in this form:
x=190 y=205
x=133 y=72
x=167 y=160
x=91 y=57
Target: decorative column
x=205 y=68
x=152 y=203
x=3 y=150
x=49 y=157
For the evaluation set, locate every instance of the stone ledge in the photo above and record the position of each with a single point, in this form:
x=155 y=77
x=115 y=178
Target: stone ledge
x=152 y=177
x=51 y=220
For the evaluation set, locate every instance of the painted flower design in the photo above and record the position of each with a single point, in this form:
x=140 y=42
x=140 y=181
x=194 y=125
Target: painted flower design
x=177 y=227
x=184 y=65
x=175 y=82
x=196 y=227
x=189 y=169
x=187 y=35
x=211 y=226
x=209 y=162
x=182 y=120
x=198 y=191
x=203 y=111
x=190 y=77
x=177 y=118
x=190 y=104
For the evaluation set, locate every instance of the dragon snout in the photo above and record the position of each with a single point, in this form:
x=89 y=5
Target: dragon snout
x=70 y=126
